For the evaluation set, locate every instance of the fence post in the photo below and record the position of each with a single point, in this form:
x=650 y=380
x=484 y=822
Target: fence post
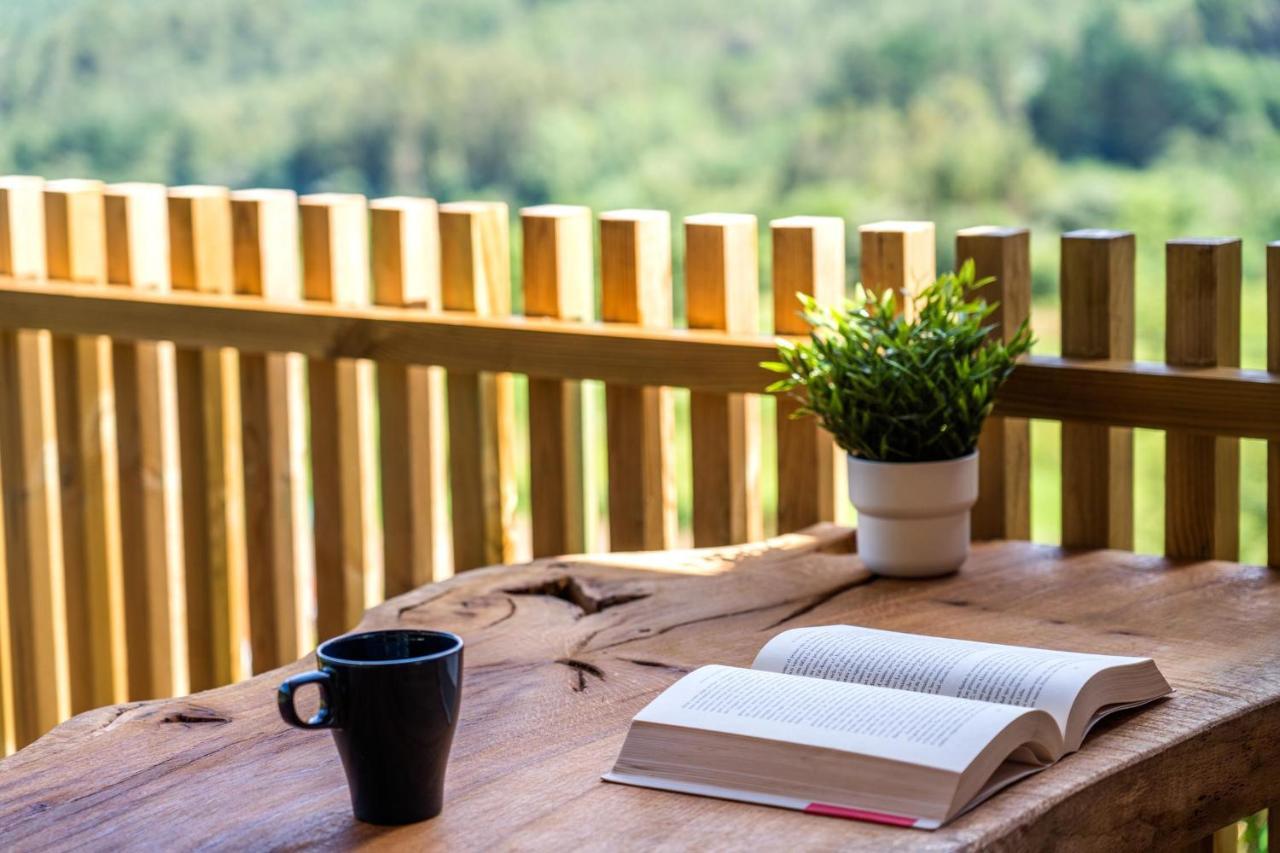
x=900 y=256
x=278 y=550
x=85 y=394
x=33 y=640
x=808 y=258
x=635 y=287
x=153 y=633
x=557 y=280
x=335 y=268
x=1097 y=322
x=475 y=276
x=721 y=283
x=411 y=403
x=1003 y=510
x=212 y=461
x=1273 y=447
x=1202 y=329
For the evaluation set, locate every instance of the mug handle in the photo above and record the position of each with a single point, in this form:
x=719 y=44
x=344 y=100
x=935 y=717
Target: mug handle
x=323 y=718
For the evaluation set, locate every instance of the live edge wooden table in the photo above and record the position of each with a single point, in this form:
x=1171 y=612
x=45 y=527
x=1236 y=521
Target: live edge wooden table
x=561 y=653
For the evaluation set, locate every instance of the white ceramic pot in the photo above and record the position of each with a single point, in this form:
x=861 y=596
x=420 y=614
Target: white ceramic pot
x=913 y=517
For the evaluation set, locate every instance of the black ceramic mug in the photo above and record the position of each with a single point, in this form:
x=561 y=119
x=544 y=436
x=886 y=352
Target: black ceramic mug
x=391 y=699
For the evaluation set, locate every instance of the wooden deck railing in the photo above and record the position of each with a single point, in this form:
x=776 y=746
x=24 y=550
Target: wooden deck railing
x=224 y=415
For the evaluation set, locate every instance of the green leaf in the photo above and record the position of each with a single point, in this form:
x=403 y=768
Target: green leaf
x=892 y=389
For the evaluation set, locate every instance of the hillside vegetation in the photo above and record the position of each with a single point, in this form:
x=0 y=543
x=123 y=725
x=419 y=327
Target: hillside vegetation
x=1158 y=116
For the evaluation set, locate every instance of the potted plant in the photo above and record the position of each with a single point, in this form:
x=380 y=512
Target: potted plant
x=905 y=396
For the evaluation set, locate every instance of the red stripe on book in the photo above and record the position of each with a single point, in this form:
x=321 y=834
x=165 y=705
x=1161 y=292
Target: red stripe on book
x=859 y=814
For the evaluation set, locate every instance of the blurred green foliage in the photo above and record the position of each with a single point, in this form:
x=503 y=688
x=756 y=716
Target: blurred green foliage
x=958 y=110
x=1156 y=116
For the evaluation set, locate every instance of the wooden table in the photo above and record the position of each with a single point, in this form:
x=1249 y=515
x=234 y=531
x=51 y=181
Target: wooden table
x=562 y=653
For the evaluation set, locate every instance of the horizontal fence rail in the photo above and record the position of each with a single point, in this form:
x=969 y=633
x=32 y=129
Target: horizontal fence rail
x=232 y=420
x=1228 y=401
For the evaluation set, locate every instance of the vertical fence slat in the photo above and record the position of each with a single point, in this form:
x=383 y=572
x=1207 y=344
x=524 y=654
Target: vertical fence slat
x=35 y=692
x=808 y=258
x=1003 y=510
x=33 y=539
x=8 y=716
x=901 y=256
x=1097 y=274
x=212 y=461
x=1273 y=447
x=475 y=276
x=635 y=287
x=335 y=268
x=721 y=277
x=557 y=272
x=1202 y=329
x=151 y=630
x=411 y=405
x=85 y=392
x=279 y=559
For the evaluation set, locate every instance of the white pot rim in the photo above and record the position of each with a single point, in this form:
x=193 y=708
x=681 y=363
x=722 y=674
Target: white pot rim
x=878 y=462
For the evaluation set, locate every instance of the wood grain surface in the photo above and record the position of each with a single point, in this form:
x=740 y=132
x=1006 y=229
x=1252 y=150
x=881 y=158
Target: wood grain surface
x=900 y=256
x=475 y=277
x=635 y=288
x=279 y=546
x=1097 y=274
x=809 y=259
x=558 y=283
x=405 y=249
x=561 y=653
x=145 y=635
x=1273 y=447
x=1202 y=329
x=722 y=293
x=1003 y=510
x=348 y=547
x=84 y=402
x=211 y=455
x=32 y=491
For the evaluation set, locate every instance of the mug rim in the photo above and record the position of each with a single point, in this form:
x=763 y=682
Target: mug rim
x=454 y=648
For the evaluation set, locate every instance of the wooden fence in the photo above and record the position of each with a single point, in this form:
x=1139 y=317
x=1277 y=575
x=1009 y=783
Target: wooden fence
x=224 y=415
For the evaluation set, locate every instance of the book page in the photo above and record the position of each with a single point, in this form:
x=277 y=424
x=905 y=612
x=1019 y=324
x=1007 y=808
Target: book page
x=986 y=672
x=931 y=730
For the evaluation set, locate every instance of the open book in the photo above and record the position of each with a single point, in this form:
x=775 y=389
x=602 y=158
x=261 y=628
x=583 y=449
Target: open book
x=875 y=725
